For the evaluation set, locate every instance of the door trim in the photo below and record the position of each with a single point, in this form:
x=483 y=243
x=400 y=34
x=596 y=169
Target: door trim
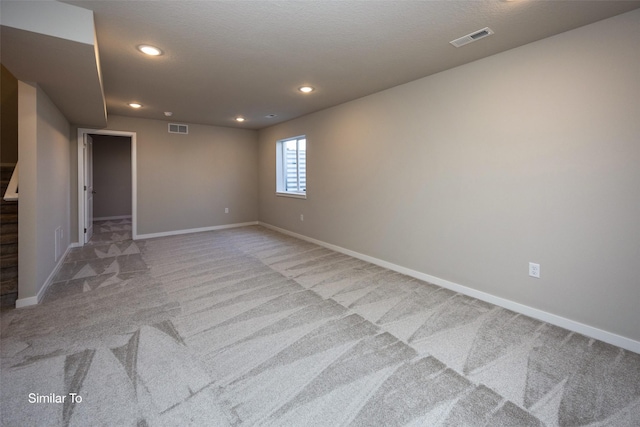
x=80 y=178
x=87 y=156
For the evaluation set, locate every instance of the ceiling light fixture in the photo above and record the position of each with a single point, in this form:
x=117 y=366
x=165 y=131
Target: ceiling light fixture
x=150 y=50
x=240 y=119
x=135 y=105
x=168 y=113
x=306 y=89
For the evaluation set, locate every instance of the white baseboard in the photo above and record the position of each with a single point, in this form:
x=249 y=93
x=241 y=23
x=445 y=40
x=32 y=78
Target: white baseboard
x=25 y=302
x=572 y=325
x=193 y=230
x=108 y=218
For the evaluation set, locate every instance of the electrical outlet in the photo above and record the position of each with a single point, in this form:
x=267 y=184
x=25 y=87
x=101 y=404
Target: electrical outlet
x=301 y=217
x=534 y=270
x=226 y=210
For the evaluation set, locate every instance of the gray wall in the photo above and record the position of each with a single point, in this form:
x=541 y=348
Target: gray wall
x=469 y=174
x=186 y=181
x=43 y=147
x=9 y=117
x=111 y=176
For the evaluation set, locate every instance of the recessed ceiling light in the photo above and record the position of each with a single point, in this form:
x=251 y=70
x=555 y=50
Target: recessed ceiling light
x=240 y=119
x=270 y=116
x=149 y=50
x=135 y=105
x=306 y=89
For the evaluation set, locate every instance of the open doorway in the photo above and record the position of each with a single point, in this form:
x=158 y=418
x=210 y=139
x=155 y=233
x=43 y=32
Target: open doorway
x=106 y=203
x=111 y=185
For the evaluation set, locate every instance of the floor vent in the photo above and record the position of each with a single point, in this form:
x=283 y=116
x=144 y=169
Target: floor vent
x=177 y=128
x=476 y=35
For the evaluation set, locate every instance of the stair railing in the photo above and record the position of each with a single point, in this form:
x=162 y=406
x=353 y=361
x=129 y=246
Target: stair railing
x=11 y=193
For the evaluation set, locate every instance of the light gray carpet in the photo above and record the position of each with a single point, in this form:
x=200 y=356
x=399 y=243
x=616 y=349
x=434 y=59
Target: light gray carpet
x=248 y=327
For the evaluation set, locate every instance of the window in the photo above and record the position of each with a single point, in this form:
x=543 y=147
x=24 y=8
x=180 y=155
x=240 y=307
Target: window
x=291 y=167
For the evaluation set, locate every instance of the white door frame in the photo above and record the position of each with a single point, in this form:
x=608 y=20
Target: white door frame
x=87 y=142
x=134 y=179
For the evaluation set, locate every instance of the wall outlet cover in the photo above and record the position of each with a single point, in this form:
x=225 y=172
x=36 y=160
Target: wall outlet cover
x=534 y=270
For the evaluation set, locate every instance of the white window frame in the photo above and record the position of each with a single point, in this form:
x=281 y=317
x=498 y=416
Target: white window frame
x=281 y=188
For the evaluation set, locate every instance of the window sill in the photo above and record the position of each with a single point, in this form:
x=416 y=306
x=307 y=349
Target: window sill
x=292 y=195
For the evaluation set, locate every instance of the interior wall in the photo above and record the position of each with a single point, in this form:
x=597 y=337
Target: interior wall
x=187 y=181
x=28 y=187
x=8 y=117
x=468 y=175
x=53 y=183
x=44 y=188
x=111 y=176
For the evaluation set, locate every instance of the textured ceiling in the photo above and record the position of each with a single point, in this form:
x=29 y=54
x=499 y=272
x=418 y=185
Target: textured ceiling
x=228 y=58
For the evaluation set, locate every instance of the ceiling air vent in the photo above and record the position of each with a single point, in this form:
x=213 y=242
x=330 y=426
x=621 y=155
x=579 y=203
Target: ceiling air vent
x=476 y=35
x=176 y=128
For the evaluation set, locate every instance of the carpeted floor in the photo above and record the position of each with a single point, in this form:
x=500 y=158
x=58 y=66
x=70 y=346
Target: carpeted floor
x=247 y=327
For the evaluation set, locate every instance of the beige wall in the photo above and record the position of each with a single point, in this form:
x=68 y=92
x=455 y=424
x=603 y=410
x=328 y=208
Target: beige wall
x=111 y=176
x=186 y=181
x=43 y=185
x=28 y=185
x=9 y=119
x=468 y=175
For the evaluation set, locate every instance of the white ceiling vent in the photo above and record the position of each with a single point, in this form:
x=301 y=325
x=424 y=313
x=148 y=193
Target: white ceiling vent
x=177 y=128
x=476 y=35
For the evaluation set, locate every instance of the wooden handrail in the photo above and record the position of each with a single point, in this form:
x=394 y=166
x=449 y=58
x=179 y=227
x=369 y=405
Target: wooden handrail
x=12 y=190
